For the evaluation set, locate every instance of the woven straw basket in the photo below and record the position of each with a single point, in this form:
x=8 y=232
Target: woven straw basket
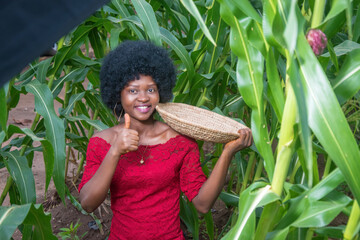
x=198 y=123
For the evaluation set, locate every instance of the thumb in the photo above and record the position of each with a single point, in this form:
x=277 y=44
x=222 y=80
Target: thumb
x=127 y=121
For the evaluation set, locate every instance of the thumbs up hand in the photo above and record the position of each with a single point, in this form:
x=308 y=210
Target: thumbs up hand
x=125 y=139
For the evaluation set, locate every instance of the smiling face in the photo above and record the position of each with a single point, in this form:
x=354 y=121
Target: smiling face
x=140 y=97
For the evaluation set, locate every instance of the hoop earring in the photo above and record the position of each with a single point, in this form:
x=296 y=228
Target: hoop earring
x=118 y=117
x=121 y=113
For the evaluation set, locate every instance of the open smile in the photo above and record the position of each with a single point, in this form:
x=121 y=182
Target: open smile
x=143 y=108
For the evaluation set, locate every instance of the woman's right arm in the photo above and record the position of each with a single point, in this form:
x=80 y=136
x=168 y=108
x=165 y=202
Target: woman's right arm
x=94 y=192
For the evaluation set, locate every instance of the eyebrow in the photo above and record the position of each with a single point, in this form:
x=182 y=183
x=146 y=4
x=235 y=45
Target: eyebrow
x=137 y=85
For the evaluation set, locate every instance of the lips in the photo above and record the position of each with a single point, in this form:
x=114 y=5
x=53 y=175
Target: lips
x=143 y=108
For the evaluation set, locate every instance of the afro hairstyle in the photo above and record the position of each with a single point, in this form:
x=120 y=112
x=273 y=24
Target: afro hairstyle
x=127 y=62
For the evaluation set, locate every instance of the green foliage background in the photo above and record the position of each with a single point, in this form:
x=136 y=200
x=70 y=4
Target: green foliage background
x=245 y=59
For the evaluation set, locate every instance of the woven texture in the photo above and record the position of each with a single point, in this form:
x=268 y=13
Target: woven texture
x=198 y=123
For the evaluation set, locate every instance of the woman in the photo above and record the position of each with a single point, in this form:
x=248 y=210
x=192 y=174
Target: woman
x=144 y=162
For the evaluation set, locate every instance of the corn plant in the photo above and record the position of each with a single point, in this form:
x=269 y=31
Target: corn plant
x=258 y=62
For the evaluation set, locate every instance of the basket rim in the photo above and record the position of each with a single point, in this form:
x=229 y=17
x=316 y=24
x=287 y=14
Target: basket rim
x=199 y=125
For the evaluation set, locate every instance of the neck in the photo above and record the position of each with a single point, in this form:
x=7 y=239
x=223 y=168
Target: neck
x=144 y=128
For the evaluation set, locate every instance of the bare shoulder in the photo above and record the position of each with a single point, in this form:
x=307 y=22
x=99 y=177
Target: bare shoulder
x=106 y=134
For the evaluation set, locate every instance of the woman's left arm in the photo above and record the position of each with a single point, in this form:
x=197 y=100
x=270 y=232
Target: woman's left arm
x=211 y=189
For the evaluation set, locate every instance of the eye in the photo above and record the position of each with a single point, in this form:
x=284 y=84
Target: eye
x=133 y=91
x=152 y=90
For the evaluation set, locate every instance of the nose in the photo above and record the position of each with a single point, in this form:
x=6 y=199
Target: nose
x=143 y=96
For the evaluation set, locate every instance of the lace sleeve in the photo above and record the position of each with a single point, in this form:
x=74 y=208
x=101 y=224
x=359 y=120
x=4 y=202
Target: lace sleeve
x=96 y=151
x=191 y=174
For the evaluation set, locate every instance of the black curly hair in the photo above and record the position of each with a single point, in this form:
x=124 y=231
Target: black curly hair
x=127 y=62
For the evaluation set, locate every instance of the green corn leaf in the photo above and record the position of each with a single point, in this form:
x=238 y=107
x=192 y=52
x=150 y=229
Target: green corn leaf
x=326 y=118
x=21 y=173
x=180 y=50
x=326 y=185
x=42 y=70
x=147 y=16
x=65 y=53
x=275 y=84
x=191 y=7
x=271 y=23
x=318 y=192
x=229 y=199
x=94 y=102
x=47 y=150
x=337 y=7
x=76 y=204
x=258 y=194
x=190 y=217
x=114 y=37
x=96 y=43
x=319 y=213
x=347 y=83
x=356 y=27
x=74 y=76
x=73 y=99
x=331 y=232
x=3 y=110
x=95 y=123
x=279 y=234
x=11 y=218
x=55 y=132
x=2 y=136
x=293 y=26
x=48 y=155
x=125 y=13
x=343 y=48
x=29 y=215
x=249 y=77
x=304 y=131
x=84 y=61
x=209 y=225
x=246 y=7
x=41 y=222
x=333 y=56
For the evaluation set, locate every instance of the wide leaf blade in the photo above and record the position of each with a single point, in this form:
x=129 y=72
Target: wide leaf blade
x=347 y=83
x=319 y=213
x=11 y=218
x=326 y=118
x=147 y=17
x=41 y=222
x=42 y=70
x=29 y=215
x=95 y=123
x=47 y=149
x=246 y=7
x=254 y=196
x=21 y=173
x=191 y=7
x=55 y=131
x=73 y=99
x=180 y=50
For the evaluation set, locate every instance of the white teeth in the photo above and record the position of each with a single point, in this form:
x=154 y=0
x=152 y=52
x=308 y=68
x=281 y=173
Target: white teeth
x=143 y=107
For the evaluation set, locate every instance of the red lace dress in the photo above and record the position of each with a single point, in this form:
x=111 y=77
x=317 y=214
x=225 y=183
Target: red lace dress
x=145 y=197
